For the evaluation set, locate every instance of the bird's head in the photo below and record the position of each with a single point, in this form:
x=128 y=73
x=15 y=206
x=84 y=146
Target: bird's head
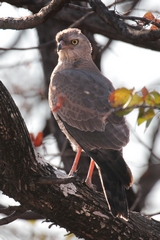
x=72 y=45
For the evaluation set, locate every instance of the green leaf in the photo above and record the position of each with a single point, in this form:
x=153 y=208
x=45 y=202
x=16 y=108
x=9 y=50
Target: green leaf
x=148 y=122
x=150 y=100
x=135 y=100
x=120 y=97
x=123 y=112
x=156 y=97
x=145 y=115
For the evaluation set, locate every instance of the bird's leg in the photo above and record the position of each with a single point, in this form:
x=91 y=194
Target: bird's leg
x=58 y=104
x=88 y=180
x=76 y=161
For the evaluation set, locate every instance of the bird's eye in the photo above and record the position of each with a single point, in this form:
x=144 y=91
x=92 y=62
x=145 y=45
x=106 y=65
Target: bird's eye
x=74 y=41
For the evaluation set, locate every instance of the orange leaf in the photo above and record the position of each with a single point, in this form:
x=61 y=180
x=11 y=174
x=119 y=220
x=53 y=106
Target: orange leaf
x=38 y=140
x=149 y=16
x=153 y=27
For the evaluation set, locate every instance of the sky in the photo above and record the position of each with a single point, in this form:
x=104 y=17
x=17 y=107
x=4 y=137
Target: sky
x=125 y=65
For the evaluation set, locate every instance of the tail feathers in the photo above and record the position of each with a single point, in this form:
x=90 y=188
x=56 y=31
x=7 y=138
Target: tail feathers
x=115 y=177
x=114 y=165
x=115 y=197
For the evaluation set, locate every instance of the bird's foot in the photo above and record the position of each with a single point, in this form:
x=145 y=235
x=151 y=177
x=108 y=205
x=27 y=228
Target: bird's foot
x=72 y=174
x=89 y=184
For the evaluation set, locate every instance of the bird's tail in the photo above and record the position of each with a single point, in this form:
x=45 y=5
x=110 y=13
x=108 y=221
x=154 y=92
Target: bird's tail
x=115 y=177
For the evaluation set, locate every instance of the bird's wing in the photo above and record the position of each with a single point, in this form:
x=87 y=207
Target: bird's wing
x=85 y=105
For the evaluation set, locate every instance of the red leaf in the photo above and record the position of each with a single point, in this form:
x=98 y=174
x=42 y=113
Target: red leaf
x=38 y=140
x=153 y=27
x=144 y=93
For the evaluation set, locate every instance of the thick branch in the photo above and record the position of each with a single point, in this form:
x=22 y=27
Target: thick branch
x=73 y=205
x=34 y=20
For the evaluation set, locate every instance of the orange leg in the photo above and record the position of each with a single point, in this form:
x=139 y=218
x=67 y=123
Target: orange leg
x=76 y=161
x=88 y=180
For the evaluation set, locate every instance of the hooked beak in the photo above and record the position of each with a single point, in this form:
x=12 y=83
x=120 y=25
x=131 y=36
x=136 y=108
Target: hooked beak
x=61 y=45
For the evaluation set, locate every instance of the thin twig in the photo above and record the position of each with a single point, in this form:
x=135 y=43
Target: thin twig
x=116 y=3
x=79 y=21
x=79 y=8
x=29 y=48
x=106 y=46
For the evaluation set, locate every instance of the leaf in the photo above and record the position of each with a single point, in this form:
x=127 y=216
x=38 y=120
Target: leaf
x=38 y=140
x=147 y=97
x=120 y=97
x=148 y=122
x=156 y=96
x=153 y=27
x=150 y=100
x=144 y=93
x=135 y=100
x=149 y=16
x=157 y=20
x=126 y=100
x=145 y=115
x=121 y=113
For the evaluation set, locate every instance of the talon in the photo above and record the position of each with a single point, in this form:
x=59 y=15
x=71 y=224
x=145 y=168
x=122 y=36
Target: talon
x=91 y=185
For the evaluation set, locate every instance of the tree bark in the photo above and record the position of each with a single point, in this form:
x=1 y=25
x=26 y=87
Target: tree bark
x=63 y=201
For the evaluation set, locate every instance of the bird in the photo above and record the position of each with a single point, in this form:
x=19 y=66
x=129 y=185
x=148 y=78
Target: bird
x=78 y=98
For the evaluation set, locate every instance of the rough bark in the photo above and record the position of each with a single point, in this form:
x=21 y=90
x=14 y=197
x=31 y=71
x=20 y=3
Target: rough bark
x=61 y=200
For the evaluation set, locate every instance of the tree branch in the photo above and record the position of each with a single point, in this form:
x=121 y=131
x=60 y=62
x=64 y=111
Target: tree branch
x=34 y=20
x=71 y=205
x=106 y=22
x=19 y=210
x=111 y=18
